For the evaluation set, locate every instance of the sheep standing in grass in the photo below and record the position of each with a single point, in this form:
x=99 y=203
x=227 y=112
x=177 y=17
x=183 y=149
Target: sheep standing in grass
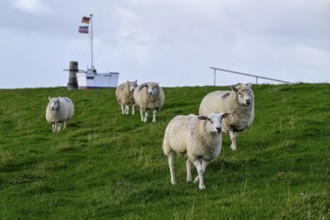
x=197 y=137
x=124 y=95
x=59 y=110
x=239 y=103
x=149 y=96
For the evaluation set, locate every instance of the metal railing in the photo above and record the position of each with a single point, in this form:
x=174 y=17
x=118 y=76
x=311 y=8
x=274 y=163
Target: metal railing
x=245 y=74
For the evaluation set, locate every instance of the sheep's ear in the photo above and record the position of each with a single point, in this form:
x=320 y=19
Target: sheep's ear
x=135 y=81
x=225 y=115
x=202 y=117
x=127 y=81
x=142 y=86
x=235 y=88
x=49 y=98
x=249 y=85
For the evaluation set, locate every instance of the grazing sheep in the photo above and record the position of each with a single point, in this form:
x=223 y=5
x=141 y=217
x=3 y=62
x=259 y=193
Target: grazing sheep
x=124 y=94
x=239 y=103
x=197 y=137
x=149 y=96
x=59 y=110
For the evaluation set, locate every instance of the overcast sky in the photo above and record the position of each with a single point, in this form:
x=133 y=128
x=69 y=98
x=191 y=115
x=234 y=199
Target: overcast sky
x=173 y=42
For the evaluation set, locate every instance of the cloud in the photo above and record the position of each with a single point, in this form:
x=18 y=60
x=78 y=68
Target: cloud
x=31 y=6
x=172 y=42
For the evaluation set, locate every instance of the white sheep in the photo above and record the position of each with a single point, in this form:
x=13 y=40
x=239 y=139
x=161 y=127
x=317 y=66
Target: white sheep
x=239 y=103
x=149 y=96
x=124 y=95
x=197 y=137
x=59 y=110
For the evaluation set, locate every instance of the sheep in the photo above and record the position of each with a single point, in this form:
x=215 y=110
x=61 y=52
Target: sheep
x=199 y=138
x=124 y=95
x=239 y=102
x=149 y=96
x=59 y=110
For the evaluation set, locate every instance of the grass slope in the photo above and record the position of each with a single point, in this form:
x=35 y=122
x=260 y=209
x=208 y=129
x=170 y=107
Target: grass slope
x=106 y=165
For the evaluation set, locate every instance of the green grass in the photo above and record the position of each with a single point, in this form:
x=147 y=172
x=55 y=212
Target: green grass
x=109 y=166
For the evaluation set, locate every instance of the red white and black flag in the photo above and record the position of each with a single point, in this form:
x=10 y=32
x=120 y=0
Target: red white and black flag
x=85 y=20
x=83 y=29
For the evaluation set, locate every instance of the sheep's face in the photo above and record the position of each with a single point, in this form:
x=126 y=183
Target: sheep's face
x=153 y=89
x=244 y=94
x=213 y=122
x=54 y=103
x=132 y=85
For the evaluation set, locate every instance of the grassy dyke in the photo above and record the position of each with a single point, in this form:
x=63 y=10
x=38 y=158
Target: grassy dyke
x=111 y=166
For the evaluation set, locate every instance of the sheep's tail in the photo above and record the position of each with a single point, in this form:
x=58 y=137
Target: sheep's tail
x=167 y=149
x=166 y=146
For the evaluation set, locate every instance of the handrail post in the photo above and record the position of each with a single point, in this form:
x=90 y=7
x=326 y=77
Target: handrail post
x=246 y=74
x=214 y=76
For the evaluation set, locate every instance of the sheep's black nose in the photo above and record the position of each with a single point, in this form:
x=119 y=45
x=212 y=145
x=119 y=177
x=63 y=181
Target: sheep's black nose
x=248 y=101
x=219 y=130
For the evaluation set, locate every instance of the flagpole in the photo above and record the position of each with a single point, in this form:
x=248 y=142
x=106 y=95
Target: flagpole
x=91 y=36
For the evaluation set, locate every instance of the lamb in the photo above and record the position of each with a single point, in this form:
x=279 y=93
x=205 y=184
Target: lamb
x=239 y=103
x=199 y=138
x=149 y=96
x=59 y=110
x=124 y=95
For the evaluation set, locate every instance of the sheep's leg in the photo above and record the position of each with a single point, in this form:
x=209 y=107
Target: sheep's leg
x=53 y=127
x=133 y=109
x=142 y=114
x=154 y=115
x=122 y=108
x=171 y=166
x=204 y=164
x=146 y=116
x=200 y=169
x=188 y=166
x=126 y=109
x=233 y=137
x=64 y=124
x=58 y=126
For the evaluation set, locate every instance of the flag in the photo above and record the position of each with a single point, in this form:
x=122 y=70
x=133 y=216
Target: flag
x=83 y=29
x=85 y=20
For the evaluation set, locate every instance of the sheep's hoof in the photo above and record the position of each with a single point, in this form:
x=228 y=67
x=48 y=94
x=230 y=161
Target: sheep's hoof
x=233 y=148
x=202 y=187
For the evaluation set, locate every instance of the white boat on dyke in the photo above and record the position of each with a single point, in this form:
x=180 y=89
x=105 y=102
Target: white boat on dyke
x=90 y=78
